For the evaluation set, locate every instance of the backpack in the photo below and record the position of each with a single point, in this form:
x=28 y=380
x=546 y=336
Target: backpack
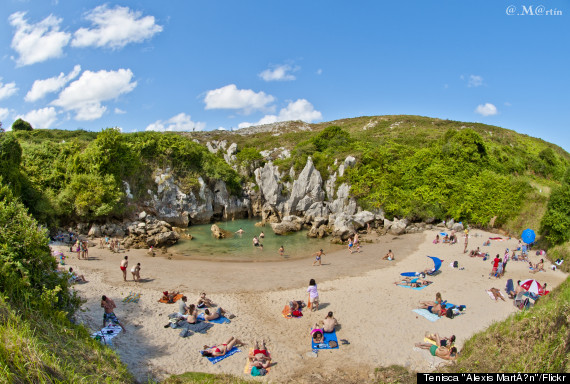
x=449 y=313
x=455 y=264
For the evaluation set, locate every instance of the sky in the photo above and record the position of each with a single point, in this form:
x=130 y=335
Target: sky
x=184 y=65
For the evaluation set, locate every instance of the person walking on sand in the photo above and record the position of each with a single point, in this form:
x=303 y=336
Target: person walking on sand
x=108 y=315
x=466 y=241
x=356 y=242
x=318 y=257
x=350 y=245
x=124 y=265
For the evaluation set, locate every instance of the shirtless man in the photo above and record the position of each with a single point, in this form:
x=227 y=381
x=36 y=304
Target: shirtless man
x=124 y=265
x=329 y=323
x=108 y=305
x=318 y=257
x=214 y=315
x=136 y=272
x=389 y=255
x=519 y=289
x=240 y=231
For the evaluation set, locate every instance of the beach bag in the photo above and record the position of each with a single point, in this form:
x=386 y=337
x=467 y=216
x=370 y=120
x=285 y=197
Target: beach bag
x=258 y=371
x=297 y=313
x=449 y=313
x=455 y=264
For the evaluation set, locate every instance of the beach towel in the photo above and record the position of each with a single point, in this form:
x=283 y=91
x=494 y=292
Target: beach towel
x=496 y=238
x=493 y=296
x=247 y=367
x=132 y=298
x=174 y=300
x=219 y=320
x=414 y=288
x=217 y=359
x=327 y=336
x=286 y=313
x=107 y=333
x=427 y=314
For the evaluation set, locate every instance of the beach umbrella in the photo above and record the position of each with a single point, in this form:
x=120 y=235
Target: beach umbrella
x=532 y=286
x=528 y=236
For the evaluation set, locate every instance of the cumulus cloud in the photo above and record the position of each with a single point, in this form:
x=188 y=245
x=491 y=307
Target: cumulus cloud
x=119 y=111
x=486 y=109
x=279 y=73
x=4 y=112
x=41 y=118
x=115 y=28
x=295 y=110
x=85 y=95
x=475 y=81
x=7 y=90
x=229 y=97
x=40 y=88
x=180 y=122
x=37 y=42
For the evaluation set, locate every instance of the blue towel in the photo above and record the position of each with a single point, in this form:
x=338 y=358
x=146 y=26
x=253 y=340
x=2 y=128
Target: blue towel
x=327 y=336
x=219 y=320
x=510 y=286
x=409 y=286
x=427 y=314
x=217 y=359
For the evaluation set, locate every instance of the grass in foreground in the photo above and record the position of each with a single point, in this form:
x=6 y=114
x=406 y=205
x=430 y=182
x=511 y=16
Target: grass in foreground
x=204 y=378
x=37 y=350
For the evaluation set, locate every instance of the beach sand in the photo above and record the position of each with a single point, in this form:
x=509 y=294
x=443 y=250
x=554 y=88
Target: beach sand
x=375 y=315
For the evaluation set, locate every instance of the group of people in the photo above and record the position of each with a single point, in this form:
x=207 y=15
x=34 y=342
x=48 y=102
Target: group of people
x=135 y=271
x=354 y=243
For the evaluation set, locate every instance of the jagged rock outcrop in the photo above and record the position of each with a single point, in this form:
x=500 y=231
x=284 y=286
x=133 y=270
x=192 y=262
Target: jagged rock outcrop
x=288 y=224
x=268 y=180
x=307 y=189
x=220 y=233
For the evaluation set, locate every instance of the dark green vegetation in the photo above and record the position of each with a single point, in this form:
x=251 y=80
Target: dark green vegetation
x=21 y=125
x=39 y=344
x=411 y=167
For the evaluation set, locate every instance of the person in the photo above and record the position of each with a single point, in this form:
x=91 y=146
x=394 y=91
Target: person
x=496 y=294
x=389 y=255
x=350 y=244
x=75 y=278
x=261 y=235
x=474 y=253
x=466 y=241
x=487 y=243
x=255 y=241
x=435 y=309
x=329 y=323
x=318 y=257
x=413 y=282
x=496 y=262
x=296 y=305
x=136 y=272
x=169 y=296
x=214 y=315
x=240 y=231
x=192 y=317
x=441 y=342
x=313 y=295
x=220 y=350
x=317 y=334
x=519 y=289
x=437 y=301
x=260 y=357
x=108 y=306
x=436 y=240
x=204 y=302
x=124 y=265
x=446 y=238
x=441 y=352
x=281 y=251
x=182 y=307
x=356 y=242
x=538 y=267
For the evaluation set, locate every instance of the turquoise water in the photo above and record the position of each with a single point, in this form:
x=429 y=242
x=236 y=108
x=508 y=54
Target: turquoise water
x=204 y=246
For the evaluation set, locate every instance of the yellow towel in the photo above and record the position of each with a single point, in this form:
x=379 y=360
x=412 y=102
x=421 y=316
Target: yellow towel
x=430 y=341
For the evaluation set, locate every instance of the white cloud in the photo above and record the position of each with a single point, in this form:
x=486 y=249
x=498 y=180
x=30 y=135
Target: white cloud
x=507 y=104
x=279 y=73
x=180 y=122
x=4 y=112
x=295 y=110
x=40 y=88
x=475 y=81
x=229 y=97
x=41 y=118
x=7 y=90
x=37 y=42
x=319 y=71
x=85 y=95
x=119 y=111
x=115 y=28
x=486 y=109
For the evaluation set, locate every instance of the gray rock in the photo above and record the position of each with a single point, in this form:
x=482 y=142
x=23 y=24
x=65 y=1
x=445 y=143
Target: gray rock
x=142 y=215
x=306 y=190
x=458 y=227
x=95 y=231
x=288 y=224
x=450 y=223
x=267 y=178
x=220 y=233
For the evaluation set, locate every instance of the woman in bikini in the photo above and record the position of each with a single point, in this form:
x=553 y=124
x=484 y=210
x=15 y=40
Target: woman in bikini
x=260 y=357
x=220 y=350
x=192 y=314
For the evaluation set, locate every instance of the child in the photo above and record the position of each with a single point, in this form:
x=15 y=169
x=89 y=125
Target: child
x=318 y=257
x=281 y=251
x=350 y=244
x=313 y=295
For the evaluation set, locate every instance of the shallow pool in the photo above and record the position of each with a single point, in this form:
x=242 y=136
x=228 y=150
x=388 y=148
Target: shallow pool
x=204 y=246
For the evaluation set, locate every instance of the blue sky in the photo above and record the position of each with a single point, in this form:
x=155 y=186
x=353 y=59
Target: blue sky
x=204 y=65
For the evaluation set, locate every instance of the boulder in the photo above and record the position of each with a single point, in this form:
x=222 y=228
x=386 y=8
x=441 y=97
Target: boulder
x=317 y=209
x=398 y=227
x=163 y=239
x=458 y=227
x=267 y=178
x=343 y=227
x=306 y=190
x=287 y=225
x=362 y=218
x=450 y=223
x=220 y=233
x=95 y=231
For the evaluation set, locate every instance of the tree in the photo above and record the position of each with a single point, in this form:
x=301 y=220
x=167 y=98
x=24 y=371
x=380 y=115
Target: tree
x=21 y=125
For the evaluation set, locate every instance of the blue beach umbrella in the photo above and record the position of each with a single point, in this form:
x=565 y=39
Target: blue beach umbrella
x=528 y=236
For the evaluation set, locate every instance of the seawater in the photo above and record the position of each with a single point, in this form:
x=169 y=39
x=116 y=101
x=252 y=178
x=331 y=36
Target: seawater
x=204 y=246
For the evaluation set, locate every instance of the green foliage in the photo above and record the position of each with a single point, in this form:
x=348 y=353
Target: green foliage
x=10 y=159
x=555 y=225
x=21 y=125
x=28 y=274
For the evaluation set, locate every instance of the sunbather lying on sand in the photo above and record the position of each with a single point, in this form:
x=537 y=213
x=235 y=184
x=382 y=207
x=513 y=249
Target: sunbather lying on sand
x=260 y=357
x=214 y=315
x=441 y=341
x=220 y=350
x=296 y=305
x=169 y=296
x=538 y=267
x=437 y=301
x=413 y=282
x=496 y=293
x=435 y=309
x=441 y=352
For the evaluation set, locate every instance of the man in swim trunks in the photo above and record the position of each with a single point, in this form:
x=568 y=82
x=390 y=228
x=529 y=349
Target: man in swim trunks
x=124 y=265
x=108 y=305
x=389 y=255
x=318 y=255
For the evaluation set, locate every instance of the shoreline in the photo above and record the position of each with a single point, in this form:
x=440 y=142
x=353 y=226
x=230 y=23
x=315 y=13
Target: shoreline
x=374 y=315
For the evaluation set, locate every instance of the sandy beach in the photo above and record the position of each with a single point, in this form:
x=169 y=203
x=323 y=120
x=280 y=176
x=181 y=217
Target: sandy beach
x=375 y=315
